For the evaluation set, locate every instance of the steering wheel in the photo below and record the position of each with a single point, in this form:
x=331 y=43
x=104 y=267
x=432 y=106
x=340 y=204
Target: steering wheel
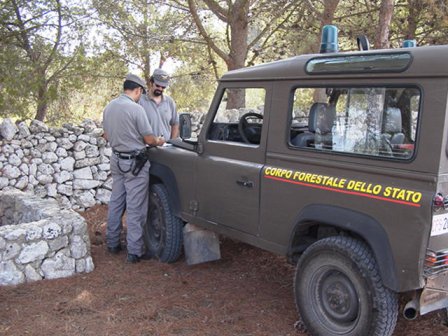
x=250 y=131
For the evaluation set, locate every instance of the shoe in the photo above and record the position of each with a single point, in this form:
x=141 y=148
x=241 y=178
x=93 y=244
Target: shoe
x=132 y=258
x=146 y=256
x=114 y=249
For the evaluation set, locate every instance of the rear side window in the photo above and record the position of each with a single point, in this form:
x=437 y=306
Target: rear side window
x=372 y=121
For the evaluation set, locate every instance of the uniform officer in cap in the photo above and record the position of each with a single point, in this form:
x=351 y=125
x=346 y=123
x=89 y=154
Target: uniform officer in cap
x=128 y=131
x=160 y=108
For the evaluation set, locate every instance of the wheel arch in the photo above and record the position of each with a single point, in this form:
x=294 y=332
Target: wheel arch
x=160 y=173
x=317 y=221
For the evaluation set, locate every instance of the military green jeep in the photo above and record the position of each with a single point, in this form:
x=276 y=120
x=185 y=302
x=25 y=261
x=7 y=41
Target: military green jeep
x=339 y=161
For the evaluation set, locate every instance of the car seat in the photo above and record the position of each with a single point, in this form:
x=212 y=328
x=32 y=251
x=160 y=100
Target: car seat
x=392 y=127
x=320 y=120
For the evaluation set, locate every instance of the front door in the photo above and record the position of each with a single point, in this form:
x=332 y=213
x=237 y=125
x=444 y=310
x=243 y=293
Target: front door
x=229 y=168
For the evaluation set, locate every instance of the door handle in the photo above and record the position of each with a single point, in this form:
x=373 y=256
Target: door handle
x=245 y=183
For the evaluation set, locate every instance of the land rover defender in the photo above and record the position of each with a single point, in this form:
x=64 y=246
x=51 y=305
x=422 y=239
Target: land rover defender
x=339 y=161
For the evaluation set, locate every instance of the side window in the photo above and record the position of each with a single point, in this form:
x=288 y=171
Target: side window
x=374 y=121
x=239 y=117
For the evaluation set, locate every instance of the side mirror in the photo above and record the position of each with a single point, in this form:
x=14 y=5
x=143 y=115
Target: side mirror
x=185 y=125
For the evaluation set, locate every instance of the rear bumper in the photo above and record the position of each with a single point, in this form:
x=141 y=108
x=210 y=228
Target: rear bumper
x=435 y=294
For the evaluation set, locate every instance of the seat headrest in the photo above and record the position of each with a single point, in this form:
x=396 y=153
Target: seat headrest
x=392 y=120
x=321 y=117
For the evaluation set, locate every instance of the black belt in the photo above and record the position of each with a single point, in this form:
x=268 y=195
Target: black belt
x=125 y=155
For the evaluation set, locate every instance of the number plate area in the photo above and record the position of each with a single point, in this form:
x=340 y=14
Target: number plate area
x=439 y=225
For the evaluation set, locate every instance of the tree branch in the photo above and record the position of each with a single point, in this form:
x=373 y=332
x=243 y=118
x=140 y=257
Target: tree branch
x=203 y=32
x=219 y=11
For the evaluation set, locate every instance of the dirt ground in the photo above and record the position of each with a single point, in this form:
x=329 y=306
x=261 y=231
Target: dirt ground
x=246 y=293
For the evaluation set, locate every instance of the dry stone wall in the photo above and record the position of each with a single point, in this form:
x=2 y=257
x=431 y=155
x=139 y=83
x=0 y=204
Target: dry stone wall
x=70 y=164
x=39 y=240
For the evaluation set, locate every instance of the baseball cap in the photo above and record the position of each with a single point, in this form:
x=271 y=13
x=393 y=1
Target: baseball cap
x=136 y=79
x=161 y=77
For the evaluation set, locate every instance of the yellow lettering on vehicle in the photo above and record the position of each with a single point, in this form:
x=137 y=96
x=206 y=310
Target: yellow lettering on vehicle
x=343 y=185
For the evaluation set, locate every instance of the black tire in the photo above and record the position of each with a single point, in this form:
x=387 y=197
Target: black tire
x=163 y=230
x=338 y=290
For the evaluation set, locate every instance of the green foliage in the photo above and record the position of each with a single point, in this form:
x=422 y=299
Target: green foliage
x=43 y=47
x=65 y=59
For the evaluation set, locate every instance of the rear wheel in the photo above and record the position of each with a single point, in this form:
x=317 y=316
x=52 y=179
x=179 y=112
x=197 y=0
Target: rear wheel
x=163 y=230
x=338 y=290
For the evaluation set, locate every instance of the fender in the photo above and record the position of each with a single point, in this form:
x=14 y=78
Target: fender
x=363 y=225
x=165 y=175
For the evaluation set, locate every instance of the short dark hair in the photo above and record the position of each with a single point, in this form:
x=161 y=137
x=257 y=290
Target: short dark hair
x=130 y=85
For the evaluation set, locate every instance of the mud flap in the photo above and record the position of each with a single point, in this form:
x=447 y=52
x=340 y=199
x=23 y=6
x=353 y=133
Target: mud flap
x=435 y=294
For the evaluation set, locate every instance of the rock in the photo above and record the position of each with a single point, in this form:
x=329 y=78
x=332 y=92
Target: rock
x=101 y=176
x=11 y=172
x=88 y=125
x=63 y=176
x=33 y=252
x=34 y=232
x=9 y=274
x=79 y=155
x=8 y=129
x=87 y=162
x=12 y=250
x=49 y=157
x=22 y=183
x=108 y=183
x=52 y=190
x=83 y=173
x=3 y=182
x=68 y=164
x=58 y=243
x=14 y=160
x=60 y=266
x=51 y=231
x=84 y=198
x=78 y=247
x=65 y=143
x=64 y=189
x=84 y=137
x=19 y=153
x=38 y=126
x=44 y=179
x=24 y=168
x=103 y=195
x=85 y=184
x=79 y=146
x=31 y=274
x=92 y=151
x=61 y=152
x=8 y=149
x=24 y=131
x=46 y=169
x=26 y=144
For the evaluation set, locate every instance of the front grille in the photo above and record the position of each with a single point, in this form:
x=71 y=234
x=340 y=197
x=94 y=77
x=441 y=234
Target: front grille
x=436 y=262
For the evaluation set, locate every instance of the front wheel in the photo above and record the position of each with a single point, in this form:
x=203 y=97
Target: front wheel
x=163 y=230
x=338 y=290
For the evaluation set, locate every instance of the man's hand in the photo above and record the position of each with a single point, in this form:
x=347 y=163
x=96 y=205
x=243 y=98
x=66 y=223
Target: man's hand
x=153 y=140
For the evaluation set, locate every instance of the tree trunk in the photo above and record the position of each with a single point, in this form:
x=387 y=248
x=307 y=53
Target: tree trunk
x=239 y=31
x=42 y=101
x=326 y=18
x=414 y=9
x=385 y=17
